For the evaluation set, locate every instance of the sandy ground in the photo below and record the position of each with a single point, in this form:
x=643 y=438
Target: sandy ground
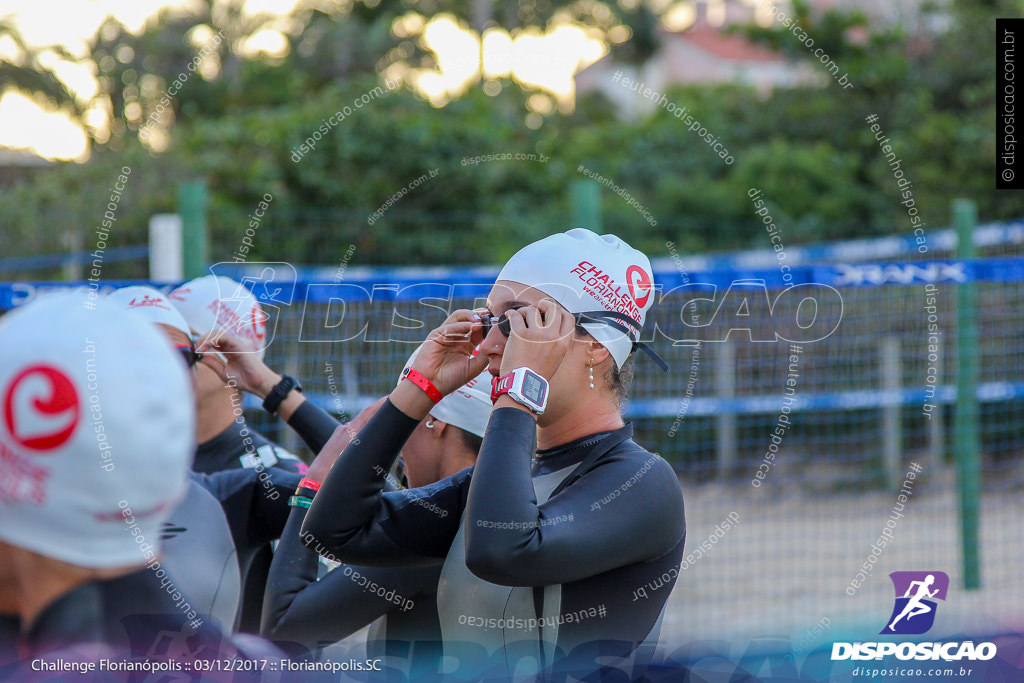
x=789 y=561
x=784 y=569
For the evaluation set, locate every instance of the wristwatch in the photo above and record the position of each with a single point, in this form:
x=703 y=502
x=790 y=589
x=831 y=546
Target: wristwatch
x=273 y=400
x=524 y=386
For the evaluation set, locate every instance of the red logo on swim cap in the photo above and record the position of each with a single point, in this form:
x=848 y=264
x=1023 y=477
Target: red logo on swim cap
x=41 y=408
x=638 y=281
x=259 y=322
x=148 y=301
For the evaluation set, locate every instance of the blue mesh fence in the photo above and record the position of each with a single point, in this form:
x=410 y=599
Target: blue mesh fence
x=845 y=355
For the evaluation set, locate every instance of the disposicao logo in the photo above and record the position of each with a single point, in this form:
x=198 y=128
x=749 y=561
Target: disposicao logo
x=913 y=614
x=914 y=611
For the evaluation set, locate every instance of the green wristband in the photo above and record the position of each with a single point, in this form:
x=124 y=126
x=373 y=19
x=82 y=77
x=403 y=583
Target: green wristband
x=300 y=502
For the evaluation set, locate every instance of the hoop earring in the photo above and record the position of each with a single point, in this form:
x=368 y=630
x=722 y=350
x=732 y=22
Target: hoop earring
x=590 y=370
x=429 y=424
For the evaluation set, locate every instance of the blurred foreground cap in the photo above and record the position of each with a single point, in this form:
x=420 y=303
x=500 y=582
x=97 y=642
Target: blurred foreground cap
x=97 y=431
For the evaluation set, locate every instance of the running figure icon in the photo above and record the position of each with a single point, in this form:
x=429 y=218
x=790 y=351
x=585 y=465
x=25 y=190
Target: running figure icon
x=916 y=596
x=915 y=606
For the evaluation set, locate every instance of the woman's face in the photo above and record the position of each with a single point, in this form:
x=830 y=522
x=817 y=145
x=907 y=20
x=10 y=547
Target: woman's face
x=571 y=376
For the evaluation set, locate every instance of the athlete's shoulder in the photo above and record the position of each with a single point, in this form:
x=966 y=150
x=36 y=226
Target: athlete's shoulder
x=269 y=454
x=630 y=453
x=226 y=483
x=448 y=494
x=457 y=481
x=648 y=474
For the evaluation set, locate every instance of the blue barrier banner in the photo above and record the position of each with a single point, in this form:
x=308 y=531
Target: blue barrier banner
x=414 y=284
x=868 y=249
x=81 y=257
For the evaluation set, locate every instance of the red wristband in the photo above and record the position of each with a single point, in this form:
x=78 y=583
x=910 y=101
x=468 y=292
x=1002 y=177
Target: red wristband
x=423 y=383
x=309 y=484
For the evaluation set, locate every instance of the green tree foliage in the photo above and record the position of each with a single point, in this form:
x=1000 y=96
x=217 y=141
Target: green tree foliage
x=809 y=150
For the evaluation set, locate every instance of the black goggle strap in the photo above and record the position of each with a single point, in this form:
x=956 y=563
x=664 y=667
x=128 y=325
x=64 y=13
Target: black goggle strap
x=612 y=319
x=191 y=356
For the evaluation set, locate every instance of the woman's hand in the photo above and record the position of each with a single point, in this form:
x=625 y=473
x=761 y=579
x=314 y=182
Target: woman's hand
x=541 y=336
x=446 y=356
x=446 y=359
x=242 y=366
x=343 y=435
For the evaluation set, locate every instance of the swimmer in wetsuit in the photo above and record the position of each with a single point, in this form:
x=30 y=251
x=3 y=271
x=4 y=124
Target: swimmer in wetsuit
x=303 y=609
x=80 y=534
x=227 y=518
x=214 y=306
x=544 y=541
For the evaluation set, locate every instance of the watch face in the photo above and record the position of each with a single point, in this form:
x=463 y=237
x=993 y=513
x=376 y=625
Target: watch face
x=534 y=388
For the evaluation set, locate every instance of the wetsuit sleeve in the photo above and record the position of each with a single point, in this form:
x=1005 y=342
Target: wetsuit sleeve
x=353 y=518
x=255 y=502
x=513 y=541
x=314 y=424
x=298 y=608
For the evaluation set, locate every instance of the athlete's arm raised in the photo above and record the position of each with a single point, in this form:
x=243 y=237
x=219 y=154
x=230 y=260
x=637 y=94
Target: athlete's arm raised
x=311 y=422
x=513 y=541
x=352 y=517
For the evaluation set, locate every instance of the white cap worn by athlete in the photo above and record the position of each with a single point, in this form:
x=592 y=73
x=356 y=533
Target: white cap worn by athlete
x=468 y=407
x=152 y=305
x=217 y=303
x=96 y=431
x=590 y=273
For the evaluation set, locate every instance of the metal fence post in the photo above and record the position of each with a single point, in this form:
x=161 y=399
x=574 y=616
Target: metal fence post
x=586 y=205
x=166 y=248
x=889 y=350
x=966 y=441
x=193 y=200
x=74 y=242
x=935 y=425
x=725 y=388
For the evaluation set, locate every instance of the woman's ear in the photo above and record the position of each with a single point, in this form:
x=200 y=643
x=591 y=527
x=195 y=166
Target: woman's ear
x=598 y=352
x=438 y=429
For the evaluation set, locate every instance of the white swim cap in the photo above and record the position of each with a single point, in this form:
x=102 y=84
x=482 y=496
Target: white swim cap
x=151 y=304
x=215 y=302
x=98 y=418
x=586 y=272
x=468 y=407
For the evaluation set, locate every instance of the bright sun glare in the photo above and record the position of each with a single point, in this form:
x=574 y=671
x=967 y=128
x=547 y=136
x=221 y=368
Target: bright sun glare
x=546 y=60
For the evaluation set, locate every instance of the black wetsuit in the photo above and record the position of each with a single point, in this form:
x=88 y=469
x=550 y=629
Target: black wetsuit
x=239 y=446
x=312 y=610
x=133 y=618
x=212 y=537
x=565 y=542
x=301 y=610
